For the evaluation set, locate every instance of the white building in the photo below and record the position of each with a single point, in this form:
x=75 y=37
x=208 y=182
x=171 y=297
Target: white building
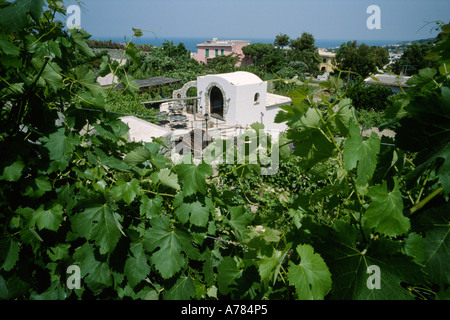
x=239 y=99
x=233 y=101
x=327 y=59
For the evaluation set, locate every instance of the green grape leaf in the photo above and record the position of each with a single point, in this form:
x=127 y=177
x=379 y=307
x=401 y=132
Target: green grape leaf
x=9 y=251
x=49 y=219
x=128 y=84
x=311 y=278
x=151 y=207
x=194 y=212
x=345 y=115
x=354 y=283
x=43 y=219
x=168 y=259
x=51 y=76
x=194 y=177
x=183 y=289
x=298 y=95
x=40 y=186
x=60 y=252
x=269 y=266
x=8 y=48
x=84 y=75
x=283 y=116
x=79 y=36
x=436 y=243
x=351 y=268
x=97 y=275
x=100 y=223
x=361 y=154
x=136 y=266
x=138 y=156
x=397 y=109
x=13 y=172
x=132 y=52
x=112 y=130
x=54 y=49
x=105 y=67
x=385 y=213
x=306 y=129
x=315 y=149
x=293 y=113
x=168 y=178
x=61 y=147
x=239 y=221
x=414 y=248
x=309 y=121
x=424 y=76
x=14 y=16
x=228 y=272
x=127 y=191
x=100 y=158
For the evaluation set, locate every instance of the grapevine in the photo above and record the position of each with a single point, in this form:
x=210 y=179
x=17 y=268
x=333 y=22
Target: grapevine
x=74 y=192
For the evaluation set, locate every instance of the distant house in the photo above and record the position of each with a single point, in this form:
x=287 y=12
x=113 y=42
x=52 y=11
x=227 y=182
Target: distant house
x=327 y=58
x=213 y=48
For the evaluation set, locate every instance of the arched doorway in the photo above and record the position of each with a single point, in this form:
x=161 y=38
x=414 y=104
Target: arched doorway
x=189 y=90
x=216 y=102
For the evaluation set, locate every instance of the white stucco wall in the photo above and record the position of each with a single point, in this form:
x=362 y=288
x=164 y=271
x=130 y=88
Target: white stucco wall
x=240 y=108
x=247 y=110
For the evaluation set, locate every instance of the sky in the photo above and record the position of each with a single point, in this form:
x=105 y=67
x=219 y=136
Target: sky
x=250 y=19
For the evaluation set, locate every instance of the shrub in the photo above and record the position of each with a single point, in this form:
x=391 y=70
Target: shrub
x=369 y=97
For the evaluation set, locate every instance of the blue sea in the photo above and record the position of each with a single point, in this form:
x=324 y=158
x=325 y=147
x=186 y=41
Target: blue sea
x=191 y=43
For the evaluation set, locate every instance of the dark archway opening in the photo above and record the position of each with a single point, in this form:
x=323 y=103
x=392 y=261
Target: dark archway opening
x=216 y=102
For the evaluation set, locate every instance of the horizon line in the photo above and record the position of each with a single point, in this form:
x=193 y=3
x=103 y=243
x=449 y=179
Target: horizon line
x=250 y=38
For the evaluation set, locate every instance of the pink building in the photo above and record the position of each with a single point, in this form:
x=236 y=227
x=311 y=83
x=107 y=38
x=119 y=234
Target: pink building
x=213 y=48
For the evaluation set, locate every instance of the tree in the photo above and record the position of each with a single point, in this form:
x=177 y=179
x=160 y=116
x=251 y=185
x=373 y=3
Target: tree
x=282 y=40
x=413 y=59
x=226 y=63
x=304 y=49
x=175 y=51
x=362 y=59
x=265 y=55
x=305 y=42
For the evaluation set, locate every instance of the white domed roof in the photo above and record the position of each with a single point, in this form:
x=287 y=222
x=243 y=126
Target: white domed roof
x=240 y=78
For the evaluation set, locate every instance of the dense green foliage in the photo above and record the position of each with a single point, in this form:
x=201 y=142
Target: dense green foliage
x=74 y=192
x=413 y=59
x=361 y=59
x=364 y=96
x=224 y=64
x=132 y=105
x=168 y=61
x=282 y=40
x=274 y=57
x=265 y=55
